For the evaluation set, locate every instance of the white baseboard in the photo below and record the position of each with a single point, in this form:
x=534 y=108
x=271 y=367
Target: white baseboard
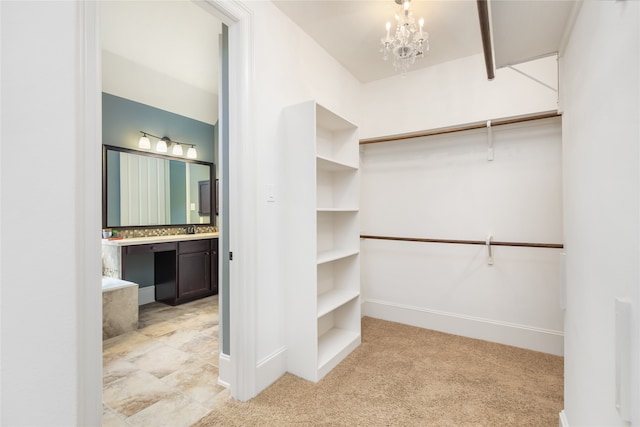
x=224 y=370
x=531 y=338
x=563 y=419
x=146 y=295
x=268 y=370
x=272 y=367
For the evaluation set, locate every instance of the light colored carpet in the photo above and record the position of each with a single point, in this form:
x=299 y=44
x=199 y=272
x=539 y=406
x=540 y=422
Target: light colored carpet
x=407 y=376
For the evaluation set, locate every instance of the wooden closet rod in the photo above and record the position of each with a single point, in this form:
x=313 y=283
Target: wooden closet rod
x=466 y=242
x=460 y=128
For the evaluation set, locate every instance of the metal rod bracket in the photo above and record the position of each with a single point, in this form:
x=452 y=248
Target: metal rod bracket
x=489 y=141
x=488 y=243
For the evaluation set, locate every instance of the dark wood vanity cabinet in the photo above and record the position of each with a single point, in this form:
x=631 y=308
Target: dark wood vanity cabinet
x=183 y=271
x=197 y=269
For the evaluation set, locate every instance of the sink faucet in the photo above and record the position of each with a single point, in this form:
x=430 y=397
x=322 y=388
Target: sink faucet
x=191 y=229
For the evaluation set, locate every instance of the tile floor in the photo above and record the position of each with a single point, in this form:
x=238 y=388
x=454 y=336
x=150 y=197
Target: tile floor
x=165 y=373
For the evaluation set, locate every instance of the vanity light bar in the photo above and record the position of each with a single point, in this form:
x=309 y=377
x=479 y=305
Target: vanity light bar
x=163 y=144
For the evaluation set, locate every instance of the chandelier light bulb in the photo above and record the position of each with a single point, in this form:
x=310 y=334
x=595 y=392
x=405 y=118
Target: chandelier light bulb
x=421 y=23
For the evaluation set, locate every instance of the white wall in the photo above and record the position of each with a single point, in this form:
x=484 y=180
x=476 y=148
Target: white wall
x=601 y=138
x=451 y=288
x=44 y=156
x=443 y=187
x=289 y=68
x=129 y=80
x=49 y=219
x=453 y=93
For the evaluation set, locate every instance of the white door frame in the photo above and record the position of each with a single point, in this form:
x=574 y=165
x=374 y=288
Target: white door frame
x=88 y=166
x=239 y=19
x=242 y=199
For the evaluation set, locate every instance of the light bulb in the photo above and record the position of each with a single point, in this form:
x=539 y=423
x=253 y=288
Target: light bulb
x=177 y=150
x=161 y=146
x=421 y=22
x=406 y=5
x=191 y=152
x=144 y=142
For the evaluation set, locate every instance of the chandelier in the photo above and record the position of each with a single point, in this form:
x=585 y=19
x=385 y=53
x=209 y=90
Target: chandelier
x=409 y=41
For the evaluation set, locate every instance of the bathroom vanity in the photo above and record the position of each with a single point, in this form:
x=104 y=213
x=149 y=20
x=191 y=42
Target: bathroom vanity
x=150 y=194
x=185 y=266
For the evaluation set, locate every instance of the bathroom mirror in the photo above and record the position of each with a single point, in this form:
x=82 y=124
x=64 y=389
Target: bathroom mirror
x=141 y=189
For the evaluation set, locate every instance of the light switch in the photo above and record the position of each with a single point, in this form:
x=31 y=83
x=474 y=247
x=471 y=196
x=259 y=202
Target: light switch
x=193 y=206
x=270 y=191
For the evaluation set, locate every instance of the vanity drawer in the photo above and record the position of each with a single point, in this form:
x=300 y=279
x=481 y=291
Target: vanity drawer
x=194 y=246
x=152 y=247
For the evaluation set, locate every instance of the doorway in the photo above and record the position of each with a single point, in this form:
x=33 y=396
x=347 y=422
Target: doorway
x=164 y=83
x=237 y=371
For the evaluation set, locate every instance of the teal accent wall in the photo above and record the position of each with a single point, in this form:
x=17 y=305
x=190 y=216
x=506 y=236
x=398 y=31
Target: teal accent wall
x=123 y=119
x=224 y=116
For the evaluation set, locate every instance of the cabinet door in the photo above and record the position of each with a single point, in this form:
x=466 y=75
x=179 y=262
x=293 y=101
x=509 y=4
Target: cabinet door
x=194 y=274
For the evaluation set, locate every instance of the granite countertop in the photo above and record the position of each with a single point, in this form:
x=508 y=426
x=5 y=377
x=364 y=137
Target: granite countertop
x=158 y=239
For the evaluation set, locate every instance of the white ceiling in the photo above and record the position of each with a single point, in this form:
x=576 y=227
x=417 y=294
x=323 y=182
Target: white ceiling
x=529 y=29
x=175 y=38
x=350 y=30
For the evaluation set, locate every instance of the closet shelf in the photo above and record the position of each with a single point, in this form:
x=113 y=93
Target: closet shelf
x=323 y=325
x=330 y=165
x=334 y=345
x=331 y=300
x=336 y=254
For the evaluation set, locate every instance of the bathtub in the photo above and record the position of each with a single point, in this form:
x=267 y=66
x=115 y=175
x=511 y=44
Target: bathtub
x=119 y=307
x=111 y=284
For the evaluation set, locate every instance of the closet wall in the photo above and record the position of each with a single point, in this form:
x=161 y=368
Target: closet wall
x=444 y=187
x=454 y=93
x=283 y=80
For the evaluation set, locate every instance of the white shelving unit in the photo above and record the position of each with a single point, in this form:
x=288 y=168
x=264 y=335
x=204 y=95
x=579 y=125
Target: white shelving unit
x=322 y=239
